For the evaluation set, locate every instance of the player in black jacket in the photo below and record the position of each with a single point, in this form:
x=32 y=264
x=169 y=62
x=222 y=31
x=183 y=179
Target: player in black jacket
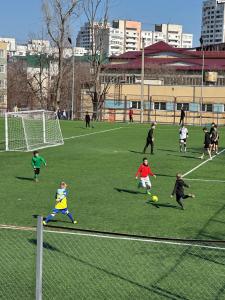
x=207 y=144
x=87 y=119
x=150 y=139
x=179 y=191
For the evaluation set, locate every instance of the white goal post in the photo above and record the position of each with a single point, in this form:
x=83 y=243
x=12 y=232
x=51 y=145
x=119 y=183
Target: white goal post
x=32 y=130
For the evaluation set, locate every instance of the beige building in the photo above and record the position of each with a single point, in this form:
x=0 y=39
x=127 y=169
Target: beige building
x=3 y=75
x=163 y=103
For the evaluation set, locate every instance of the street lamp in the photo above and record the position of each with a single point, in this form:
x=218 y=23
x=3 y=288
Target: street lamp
x=73 y=80
x=142 y=79
x=202 y=81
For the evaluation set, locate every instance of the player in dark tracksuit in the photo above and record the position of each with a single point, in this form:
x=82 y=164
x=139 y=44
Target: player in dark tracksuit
x=207 y=144
x=150 y=139
x=87 y=119
x=179 y=191
x=182 y=116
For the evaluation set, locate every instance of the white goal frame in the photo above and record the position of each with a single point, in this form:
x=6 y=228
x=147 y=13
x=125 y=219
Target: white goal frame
x=45 y=142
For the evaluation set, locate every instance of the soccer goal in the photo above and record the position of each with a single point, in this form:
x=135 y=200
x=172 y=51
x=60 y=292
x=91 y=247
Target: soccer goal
x=32 y=130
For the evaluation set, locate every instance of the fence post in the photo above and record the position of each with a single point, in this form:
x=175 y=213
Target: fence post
x=39 y=258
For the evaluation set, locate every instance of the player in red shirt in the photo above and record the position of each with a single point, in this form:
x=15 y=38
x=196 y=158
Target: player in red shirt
x=143 y=172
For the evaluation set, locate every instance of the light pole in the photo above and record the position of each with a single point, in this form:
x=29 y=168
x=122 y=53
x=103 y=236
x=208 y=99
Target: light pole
x=73 y=80
x=202 y=81
x=142 y=80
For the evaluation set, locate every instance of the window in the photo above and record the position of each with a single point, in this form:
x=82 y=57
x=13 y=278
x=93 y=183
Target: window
x=136 y=104
x=2 y=69
x=2 y=83
x=160 y=105
x=185 y=106
x=2 y=98
x=1 y=53
x=207 y=107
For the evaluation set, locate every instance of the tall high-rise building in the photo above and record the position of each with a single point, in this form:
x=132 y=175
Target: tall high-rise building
x=131 y=31
x=213 y=22
x=171 y=34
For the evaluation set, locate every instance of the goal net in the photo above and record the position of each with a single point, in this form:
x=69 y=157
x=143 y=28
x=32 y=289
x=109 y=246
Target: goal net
x=32 y=130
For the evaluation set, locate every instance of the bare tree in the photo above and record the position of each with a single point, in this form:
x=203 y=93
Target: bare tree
x=96 y=12
x=57 y=16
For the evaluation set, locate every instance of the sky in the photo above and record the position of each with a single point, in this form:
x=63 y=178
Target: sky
x=23 y=19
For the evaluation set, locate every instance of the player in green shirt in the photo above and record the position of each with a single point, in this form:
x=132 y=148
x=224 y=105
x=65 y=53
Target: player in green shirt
x=37 y=161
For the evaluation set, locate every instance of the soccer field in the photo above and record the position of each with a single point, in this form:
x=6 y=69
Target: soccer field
x=99 y=165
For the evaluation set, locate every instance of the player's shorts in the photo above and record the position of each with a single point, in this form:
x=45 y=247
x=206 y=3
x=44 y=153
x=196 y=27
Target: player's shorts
x=183 y=141
x=207 y=146
x=36 y=171
x=145 y=181
x=62 y=211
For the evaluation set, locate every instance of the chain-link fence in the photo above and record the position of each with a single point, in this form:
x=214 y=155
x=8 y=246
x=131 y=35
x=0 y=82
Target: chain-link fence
x=87 y=265
x=17 y=264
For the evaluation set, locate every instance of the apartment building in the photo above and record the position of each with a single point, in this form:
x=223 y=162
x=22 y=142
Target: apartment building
x=171 y=34
x=213 y=22
x=3 y=75
x=131 y=31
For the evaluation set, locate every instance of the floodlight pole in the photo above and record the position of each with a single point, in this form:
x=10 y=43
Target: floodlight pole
x=142 y=80
x=73 y=79
x=202 y=79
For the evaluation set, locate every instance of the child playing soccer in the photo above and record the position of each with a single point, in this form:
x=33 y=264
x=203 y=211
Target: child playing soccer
x=183 y=136
x=37 y=161
x=179 y=191
x=143 y=172
x=61 y=204
x=207 y=144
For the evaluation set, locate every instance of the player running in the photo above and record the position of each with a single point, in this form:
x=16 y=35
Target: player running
x=179 y=191
x=37 y=161
x=183 y=132
x=150 y=139
x=207 y=144
x=61 y=204
x=143 y=172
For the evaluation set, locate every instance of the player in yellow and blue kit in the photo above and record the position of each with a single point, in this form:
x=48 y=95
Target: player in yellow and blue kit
x=61 y=204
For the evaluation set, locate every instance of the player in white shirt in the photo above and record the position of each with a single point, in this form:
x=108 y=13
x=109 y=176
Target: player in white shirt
x=183 y=134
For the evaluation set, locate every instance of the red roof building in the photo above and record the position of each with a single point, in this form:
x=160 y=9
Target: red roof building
x=171 y=63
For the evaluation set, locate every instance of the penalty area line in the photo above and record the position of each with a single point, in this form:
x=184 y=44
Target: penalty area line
x=201 y=164
x=107 y=236
x=92 y=133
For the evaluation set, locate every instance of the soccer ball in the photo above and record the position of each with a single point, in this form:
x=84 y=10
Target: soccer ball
x=155 y=198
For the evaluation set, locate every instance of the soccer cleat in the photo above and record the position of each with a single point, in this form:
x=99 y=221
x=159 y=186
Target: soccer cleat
x=149 y=193
x=74 y=222
x=44 y=223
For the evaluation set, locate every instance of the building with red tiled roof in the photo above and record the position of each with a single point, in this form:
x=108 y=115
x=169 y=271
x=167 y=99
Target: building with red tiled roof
x=170 y=65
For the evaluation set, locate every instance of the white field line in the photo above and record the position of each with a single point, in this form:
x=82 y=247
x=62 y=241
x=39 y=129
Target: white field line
x=87 y=134
x=201 y=164
x=107 y=236
x=205 y=180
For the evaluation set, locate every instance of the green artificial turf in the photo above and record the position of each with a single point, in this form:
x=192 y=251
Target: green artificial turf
x=100 y=170
x=103 y=195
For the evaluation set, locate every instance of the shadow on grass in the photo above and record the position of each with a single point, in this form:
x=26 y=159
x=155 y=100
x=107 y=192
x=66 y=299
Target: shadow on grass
x=137 y=152
x=52 y=221
x=25 y=178
x=184 y=156
x=154 y=289
x=159 y=205
x=165 y=175
x=128 y=191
